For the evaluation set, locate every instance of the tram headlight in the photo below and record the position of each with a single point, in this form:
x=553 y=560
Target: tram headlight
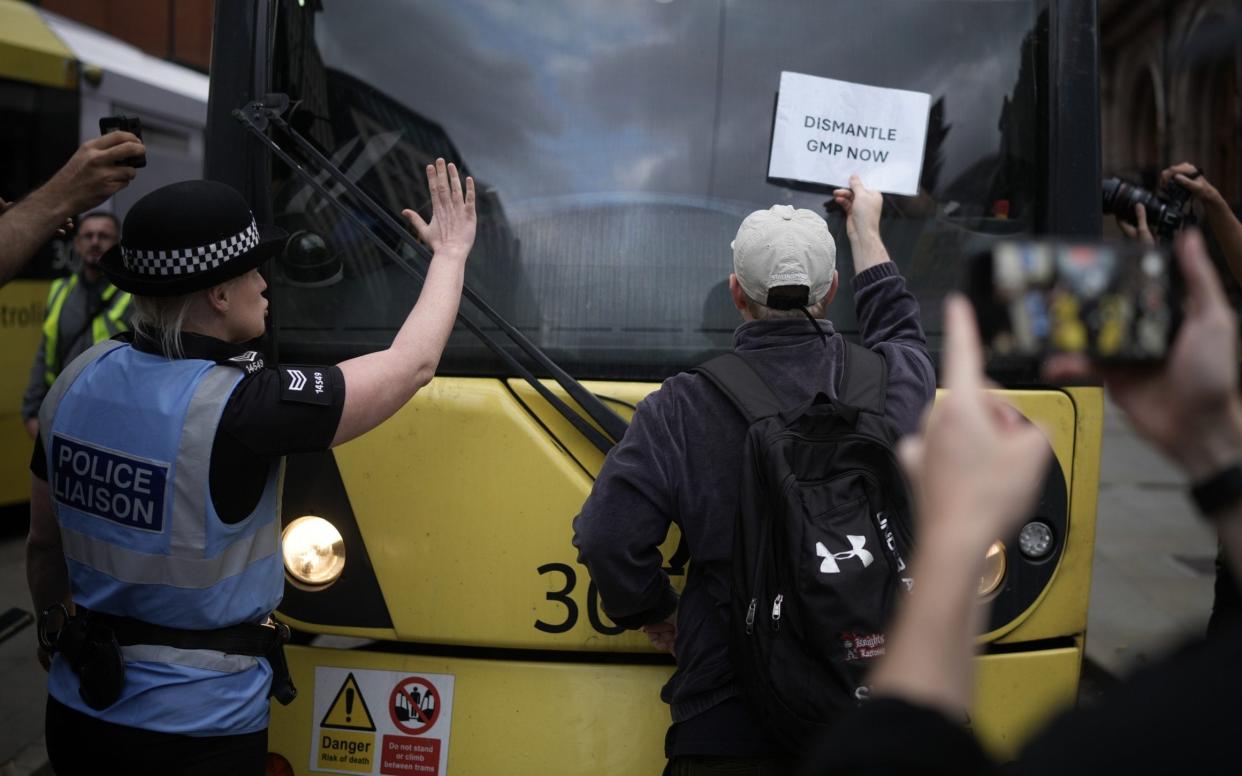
x=993 y=569
x=1035 y=539
x=314 y=552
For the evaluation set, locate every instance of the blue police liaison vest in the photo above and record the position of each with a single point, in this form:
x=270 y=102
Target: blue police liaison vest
x=128 y=437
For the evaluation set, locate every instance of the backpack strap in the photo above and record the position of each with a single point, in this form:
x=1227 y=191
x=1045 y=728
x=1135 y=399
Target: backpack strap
x=743 y=386
x=864 y=382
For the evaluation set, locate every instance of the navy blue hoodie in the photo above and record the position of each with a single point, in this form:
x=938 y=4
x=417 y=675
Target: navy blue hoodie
x=680 y=462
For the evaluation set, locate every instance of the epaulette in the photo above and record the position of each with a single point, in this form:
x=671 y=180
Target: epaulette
x=249 y=362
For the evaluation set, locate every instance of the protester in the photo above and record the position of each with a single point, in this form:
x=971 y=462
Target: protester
x=82 y=309
x=681 y=461
x=90 y=176
x=182 y=429
x=976 y=469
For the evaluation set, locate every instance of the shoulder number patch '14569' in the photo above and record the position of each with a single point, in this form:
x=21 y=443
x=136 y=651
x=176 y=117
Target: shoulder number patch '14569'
x=306 y=384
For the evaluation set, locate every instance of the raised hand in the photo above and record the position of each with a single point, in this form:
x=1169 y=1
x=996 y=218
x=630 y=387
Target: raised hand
x=92 y=174
x=978 y=463
x=862 y=208
x=453 y=219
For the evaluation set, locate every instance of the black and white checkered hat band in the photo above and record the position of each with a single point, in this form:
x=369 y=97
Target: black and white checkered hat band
x=189 y=261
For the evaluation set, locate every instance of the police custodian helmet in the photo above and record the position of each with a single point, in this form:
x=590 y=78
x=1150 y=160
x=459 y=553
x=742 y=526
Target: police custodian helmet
x=188 y=236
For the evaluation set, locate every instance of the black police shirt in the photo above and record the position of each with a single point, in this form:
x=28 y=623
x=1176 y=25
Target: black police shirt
x=273 y=411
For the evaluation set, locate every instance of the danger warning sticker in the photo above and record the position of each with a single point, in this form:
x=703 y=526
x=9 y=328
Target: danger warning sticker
x=381 y=722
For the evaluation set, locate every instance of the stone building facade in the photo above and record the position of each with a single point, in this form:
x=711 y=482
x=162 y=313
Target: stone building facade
x=1169 y=89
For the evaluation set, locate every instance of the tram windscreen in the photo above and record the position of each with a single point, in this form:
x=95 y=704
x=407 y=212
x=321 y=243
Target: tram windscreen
x=617 y=145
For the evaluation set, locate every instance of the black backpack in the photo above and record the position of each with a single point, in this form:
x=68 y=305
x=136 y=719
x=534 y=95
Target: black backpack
x=822 y=531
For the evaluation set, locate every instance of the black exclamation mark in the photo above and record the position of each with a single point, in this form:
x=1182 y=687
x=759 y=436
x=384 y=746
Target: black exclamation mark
x=349 y=703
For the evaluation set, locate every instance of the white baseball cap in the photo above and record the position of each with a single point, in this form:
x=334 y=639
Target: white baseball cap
x=782 y=247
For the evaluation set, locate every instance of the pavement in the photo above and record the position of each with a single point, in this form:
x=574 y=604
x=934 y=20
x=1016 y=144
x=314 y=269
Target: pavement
x=1154 y=570
x=1151 y=587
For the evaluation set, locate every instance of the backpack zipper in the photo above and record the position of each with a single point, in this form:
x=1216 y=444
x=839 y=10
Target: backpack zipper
x=776 y=611
x=750 y=616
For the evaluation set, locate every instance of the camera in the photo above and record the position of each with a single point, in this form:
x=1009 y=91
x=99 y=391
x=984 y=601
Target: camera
x=1118 y=303
x=1166 y=212
x=131 y=124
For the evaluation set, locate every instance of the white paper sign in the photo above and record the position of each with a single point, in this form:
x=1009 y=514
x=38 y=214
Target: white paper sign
x=827 y=130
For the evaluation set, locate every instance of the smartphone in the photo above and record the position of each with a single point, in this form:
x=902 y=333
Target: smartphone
x=1112 y=302
x=131 y=124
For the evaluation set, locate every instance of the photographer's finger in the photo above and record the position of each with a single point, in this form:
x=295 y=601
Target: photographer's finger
x=1193 y=185
x=1144 y=231
x=1183 y=168
x=112 y=139
x=963 y=353
x=469 y=196
x=1129 y=230
x=125 y=150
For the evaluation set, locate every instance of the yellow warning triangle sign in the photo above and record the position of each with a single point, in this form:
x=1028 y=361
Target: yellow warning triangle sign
x=348 y=710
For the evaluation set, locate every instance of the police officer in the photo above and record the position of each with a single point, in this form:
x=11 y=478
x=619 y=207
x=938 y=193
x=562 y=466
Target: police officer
x=154 y=526
x=81 y=310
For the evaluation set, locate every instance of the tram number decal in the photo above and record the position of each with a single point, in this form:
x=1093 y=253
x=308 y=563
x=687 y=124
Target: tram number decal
x=563 y=597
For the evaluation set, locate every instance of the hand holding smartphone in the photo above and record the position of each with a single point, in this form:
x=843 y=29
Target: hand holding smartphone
x=131 y=124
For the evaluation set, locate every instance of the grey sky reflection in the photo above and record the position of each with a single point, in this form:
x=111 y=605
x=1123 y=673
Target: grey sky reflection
x=559 y=97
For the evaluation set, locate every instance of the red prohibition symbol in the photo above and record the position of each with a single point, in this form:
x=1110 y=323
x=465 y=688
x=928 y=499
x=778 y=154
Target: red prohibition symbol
x=414 y=705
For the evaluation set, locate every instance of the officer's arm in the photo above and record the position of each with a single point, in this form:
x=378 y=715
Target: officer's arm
x=46 y=572
x=379 y=384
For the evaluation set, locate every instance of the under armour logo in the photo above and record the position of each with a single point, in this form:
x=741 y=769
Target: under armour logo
x=857 y=543
x=297 y=380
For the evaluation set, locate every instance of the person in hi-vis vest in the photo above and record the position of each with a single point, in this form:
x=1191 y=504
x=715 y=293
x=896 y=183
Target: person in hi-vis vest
x=82 y=309
x=154 y=548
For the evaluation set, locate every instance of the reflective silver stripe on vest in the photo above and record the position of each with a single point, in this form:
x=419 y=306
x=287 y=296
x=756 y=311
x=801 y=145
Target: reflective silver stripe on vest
x=57 y=392
x=140 y=568
x=191 y=477
x=209 y=659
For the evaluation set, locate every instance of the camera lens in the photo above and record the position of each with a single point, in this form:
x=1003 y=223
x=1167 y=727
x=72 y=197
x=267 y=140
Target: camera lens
x=1120 y=197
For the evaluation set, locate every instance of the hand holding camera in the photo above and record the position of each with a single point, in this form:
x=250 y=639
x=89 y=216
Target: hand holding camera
x=1164 y=212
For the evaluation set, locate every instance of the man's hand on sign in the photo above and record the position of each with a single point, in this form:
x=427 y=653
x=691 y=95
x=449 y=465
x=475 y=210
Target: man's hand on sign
x=862 y=208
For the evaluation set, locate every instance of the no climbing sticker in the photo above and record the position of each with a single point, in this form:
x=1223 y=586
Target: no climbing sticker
x=381 y=722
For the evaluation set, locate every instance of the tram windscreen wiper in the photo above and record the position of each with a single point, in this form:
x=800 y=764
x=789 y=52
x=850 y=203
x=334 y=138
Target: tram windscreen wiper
x=260 y=114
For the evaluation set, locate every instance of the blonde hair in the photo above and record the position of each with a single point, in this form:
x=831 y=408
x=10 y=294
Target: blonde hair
x=161 y=319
